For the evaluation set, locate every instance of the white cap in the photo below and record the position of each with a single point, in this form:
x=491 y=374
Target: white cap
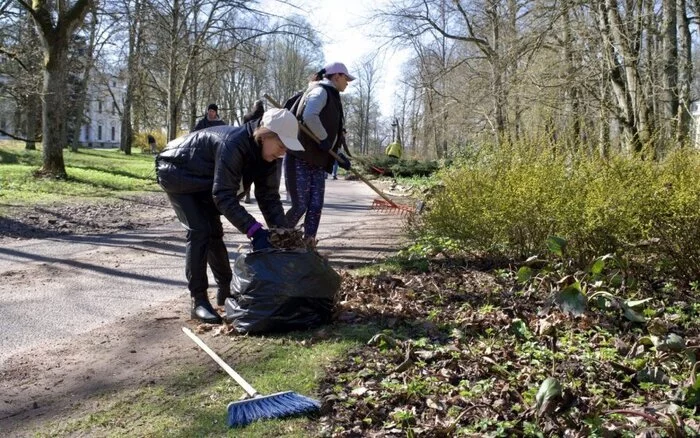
x=338 y=67
x=285 y=125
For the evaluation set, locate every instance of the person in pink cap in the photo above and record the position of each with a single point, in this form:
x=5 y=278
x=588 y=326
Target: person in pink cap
x=321 y=110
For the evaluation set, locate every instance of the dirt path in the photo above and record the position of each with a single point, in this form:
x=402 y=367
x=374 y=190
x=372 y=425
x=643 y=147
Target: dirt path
x=127 y=279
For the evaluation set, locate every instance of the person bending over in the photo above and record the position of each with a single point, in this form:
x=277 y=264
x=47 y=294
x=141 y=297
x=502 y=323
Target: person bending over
x=205 y=174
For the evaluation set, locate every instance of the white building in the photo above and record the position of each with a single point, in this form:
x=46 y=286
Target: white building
x=102 y=122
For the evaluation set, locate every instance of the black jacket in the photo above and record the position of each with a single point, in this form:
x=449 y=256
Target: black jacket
x=224 y=160
x=206 y=123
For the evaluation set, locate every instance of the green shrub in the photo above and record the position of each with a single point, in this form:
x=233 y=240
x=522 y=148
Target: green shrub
x=141 y=141
x=508 y=202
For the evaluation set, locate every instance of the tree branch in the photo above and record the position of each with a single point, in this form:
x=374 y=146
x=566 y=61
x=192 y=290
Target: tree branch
x=13 y=55
x=20 y=138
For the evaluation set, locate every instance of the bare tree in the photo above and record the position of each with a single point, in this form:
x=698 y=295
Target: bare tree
x=56 y=22
x=22 y=83
x=364 y=118
x=132 y=10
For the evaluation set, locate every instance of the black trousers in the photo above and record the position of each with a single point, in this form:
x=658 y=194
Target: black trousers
x=205 y=244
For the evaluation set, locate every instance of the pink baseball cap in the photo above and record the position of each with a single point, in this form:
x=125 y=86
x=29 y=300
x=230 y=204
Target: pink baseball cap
x=338 y=67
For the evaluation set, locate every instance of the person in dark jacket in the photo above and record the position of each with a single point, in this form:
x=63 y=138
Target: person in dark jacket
x=205 y=174
x=152 y=144
x=210 y=119
x=321 y=110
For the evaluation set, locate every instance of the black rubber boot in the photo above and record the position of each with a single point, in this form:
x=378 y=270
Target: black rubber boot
x=221 y=296
x=203 y=311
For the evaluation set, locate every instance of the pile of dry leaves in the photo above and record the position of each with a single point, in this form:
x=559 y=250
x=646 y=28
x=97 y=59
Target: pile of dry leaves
x=458 y=353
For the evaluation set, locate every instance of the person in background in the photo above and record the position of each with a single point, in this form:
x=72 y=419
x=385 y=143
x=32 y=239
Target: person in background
x=205 y=174
x=347 y=152
x=210 y=119
x=152 y=144
x=321 y=110
x=394 y=150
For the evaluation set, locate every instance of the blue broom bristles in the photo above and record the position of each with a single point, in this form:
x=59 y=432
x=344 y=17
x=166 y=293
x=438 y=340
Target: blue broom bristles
x=282 y=404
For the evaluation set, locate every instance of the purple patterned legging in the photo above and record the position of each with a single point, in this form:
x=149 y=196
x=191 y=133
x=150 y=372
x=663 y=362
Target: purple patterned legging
x=306 y=184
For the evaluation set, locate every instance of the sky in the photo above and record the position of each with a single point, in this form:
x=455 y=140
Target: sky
x=344 y=28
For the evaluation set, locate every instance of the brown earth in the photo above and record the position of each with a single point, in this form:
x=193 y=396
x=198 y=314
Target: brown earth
x=40 y=386
x=99 y=216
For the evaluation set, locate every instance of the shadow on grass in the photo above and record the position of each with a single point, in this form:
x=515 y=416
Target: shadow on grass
x=8 y=158
x=19 y=158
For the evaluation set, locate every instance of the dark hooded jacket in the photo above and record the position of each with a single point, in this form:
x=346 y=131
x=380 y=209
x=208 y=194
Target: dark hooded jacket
x=205 y=123
x=224 y=160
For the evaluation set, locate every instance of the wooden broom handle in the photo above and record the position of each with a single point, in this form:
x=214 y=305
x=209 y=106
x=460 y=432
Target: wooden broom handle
x=249 y=389
x=308 y=132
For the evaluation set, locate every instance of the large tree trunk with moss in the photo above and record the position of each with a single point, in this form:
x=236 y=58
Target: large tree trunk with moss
x=55 y=22
x=53 y=118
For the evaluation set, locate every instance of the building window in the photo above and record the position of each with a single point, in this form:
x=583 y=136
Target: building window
x=114 y=108
x=99 y=106
x=87 y=133
x=114 y=83
x=3 y=124
x=114 y=133
x=99 y=132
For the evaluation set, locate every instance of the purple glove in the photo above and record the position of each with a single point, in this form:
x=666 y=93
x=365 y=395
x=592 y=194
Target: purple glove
x=260 y=237
x=261 y=240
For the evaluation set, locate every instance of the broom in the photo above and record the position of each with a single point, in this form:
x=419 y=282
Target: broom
x=258 y=407
x=381 y=204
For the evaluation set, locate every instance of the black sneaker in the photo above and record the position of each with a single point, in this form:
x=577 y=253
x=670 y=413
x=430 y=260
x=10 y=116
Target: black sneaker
x=202 y=311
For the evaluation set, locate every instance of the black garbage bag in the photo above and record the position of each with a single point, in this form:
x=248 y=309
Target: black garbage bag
x=281 y=290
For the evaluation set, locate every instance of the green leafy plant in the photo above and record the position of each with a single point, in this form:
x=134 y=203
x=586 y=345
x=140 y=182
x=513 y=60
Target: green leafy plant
x=575 y=292
x=509 y=201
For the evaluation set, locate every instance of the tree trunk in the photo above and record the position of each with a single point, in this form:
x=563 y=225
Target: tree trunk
x=173 y=109
x=669 y=50
x=685 y=74
x=133 y=61
x=55 y=39
x=623 y=62
x=32 y=121
x=53 y=119
x=78 y=109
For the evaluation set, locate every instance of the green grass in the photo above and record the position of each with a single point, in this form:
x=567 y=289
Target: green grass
x=92 y=173
x=192 y=401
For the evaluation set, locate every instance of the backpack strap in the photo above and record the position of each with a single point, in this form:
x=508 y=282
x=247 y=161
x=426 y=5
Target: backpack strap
x=301 y=102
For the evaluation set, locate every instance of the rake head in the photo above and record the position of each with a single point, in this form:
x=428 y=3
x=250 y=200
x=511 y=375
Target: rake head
x=383 y=205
